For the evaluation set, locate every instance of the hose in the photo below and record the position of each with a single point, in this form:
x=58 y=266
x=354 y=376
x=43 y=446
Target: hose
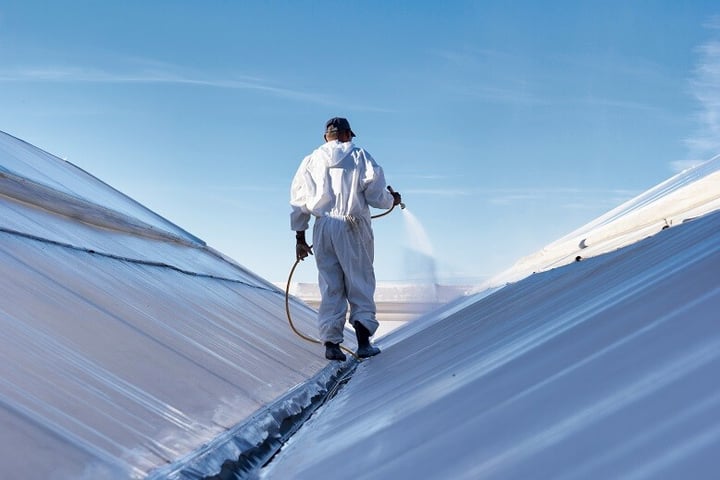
x=289 y=281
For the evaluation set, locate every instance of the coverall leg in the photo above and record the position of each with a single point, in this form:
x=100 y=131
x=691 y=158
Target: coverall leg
x=344 y=251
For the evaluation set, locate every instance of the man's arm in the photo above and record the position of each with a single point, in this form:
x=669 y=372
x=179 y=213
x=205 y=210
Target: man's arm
x=376 y=194
x=301 y=190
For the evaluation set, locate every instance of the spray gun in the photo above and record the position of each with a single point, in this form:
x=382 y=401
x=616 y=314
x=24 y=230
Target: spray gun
x=390 y=189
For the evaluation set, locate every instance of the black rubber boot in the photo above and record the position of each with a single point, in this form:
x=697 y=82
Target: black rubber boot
x=333 y=352
x=365 y=349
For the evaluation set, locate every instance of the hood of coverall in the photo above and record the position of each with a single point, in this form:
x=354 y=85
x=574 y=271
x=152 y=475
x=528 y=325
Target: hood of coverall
x=335 y=151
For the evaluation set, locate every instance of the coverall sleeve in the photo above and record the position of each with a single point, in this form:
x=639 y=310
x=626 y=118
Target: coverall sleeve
x=301 y=190
x=376 y=193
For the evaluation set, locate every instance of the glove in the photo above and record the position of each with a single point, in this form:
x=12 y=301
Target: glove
x=397 y=199
x=302 y=249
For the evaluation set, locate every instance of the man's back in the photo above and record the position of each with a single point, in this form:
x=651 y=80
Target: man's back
x=339 y=179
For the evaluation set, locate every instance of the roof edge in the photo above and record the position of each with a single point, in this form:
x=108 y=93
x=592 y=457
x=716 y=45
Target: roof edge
x=38 y=195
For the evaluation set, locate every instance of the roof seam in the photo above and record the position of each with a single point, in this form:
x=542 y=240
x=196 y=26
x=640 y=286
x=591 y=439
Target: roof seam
x=149 y=263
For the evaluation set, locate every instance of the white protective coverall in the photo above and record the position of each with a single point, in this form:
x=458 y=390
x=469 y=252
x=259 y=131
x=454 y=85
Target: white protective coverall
x=336 y=183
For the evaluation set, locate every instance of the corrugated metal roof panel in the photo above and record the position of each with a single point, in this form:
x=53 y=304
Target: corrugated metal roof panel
x=123 y=350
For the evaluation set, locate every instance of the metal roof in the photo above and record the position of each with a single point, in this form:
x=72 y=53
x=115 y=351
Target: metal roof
x=126 y=342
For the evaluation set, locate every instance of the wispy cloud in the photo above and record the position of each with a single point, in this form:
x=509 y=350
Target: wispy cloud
x=495 y=76
x=572 y=198
x=160 y=74
x=428 y=176
x=438 y=192
x=705 y=87
x=474 y=57
x=509 y=199
x=490 y=76
x=680 y=165
x=713 y=22
x=491 y=93
x=619 y=104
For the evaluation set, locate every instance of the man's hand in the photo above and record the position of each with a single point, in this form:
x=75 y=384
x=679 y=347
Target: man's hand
x=302 y=249
x=397 y=199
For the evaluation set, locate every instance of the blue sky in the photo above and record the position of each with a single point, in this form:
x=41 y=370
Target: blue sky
x=505 y=125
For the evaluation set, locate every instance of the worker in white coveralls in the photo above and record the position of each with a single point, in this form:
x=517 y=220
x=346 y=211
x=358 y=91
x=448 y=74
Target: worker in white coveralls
x=336 y=183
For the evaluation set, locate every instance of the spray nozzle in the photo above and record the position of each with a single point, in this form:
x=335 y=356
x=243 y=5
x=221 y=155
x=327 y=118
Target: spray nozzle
x=390 y=189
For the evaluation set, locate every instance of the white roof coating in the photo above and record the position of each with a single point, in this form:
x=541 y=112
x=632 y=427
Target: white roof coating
x=127 y=343
x=132 y=350
x=602 y=368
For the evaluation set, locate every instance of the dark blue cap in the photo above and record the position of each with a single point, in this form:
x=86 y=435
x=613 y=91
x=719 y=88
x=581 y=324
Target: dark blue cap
x=338 y=124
